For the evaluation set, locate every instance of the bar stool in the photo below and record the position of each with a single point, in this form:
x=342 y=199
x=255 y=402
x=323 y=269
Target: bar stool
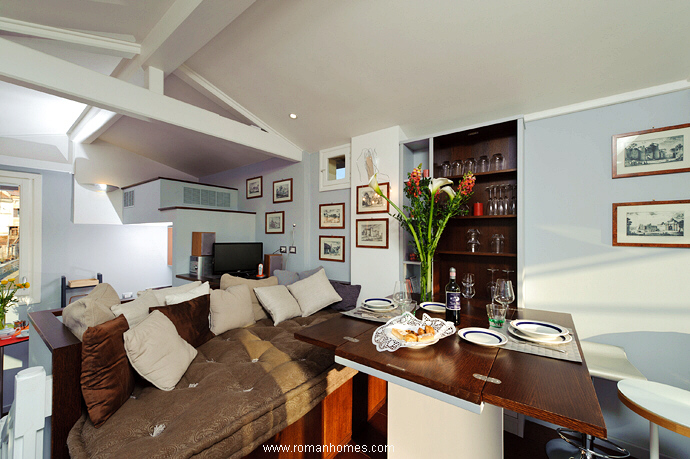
x=660 y=404
x=606 y=362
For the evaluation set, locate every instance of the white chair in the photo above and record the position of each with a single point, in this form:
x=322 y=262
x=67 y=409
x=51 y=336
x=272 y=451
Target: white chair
x=606 y=362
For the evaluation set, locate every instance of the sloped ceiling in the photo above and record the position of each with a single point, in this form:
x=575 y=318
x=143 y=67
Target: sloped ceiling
x=348 y=68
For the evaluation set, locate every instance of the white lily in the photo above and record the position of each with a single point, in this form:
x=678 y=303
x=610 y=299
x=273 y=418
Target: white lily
x=374 y=185
x=438 y=183
x=449 y=190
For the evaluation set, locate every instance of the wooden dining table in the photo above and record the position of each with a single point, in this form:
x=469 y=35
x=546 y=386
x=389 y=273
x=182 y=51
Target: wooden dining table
x=447 y=400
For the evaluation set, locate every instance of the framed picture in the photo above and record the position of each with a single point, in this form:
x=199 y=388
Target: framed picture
x=255 y=188
x=372 y=233
x=332 y=215
x=332 y=248
x=282 y=190
x=651 y=224
x=368 y=202
x=275 y=222
x=650 y=152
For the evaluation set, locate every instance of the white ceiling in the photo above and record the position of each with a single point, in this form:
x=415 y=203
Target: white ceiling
x=352 y=67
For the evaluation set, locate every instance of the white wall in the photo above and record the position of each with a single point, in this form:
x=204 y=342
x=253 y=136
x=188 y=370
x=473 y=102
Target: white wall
x=376 y=269
x=634 y=297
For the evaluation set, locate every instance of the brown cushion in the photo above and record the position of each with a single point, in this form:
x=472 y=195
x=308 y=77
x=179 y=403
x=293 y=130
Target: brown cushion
x=107 y=379
x=190 y=319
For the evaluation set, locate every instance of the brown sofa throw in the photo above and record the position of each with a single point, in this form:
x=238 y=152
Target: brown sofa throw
x=107 y=379
x=190 y=319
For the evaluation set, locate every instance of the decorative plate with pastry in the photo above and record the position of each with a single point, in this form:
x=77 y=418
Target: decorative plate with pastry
x=408 y=331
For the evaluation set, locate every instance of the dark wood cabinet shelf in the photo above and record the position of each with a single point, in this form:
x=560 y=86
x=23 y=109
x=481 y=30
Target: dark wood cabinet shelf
x=476 y=254
x=481 y=217
x=505 y=173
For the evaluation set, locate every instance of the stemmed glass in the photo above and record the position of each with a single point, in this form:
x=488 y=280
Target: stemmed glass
x=468 y=285
x=506 y=202
x=500 y=206
x=491 y=286
x=400 y=293
x=513 y=201
x=504 y=292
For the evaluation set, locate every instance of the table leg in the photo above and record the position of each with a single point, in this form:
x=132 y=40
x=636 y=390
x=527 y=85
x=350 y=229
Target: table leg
x=420 y=426
x=2 y=372
x=653 y=441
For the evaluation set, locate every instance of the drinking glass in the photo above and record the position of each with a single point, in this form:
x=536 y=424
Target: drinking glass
x=513 y=201
x=408 y=305
x=504 y=293
x=456 y=168
x=483 y=164
x=506 y=201
x=500 y=206
x=497 y=314
x=470 y=165
x=497 y=243
x=445 y=169
x=472 y=241
x=468 y=278
x=491 y=286
x=400 y=293
x=497 y=162
x=467 y=290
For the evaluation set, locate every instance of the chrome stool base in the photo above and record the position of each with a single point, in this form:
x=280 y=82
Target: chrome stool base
x=570 y=447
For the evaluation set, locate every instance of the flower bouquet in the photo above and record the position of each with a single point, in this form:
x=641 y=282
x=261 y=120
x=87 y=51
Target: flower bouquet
x=8 y=290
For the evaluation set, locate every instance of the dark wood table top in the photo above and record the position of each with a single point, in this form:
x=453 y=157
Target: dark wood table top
x=556 y=391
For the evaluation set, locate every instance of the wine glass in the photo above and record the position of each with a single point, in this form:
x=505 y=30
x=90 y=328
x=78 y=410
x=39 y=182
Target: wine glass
x=491 y=286
x=504 y=292
x=467 y=290
x=400 y=293
x=468 y=279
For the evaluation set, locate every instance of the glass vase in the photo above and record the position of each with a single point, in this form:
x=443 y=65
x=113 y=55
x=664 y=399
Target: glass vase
x=426 y=285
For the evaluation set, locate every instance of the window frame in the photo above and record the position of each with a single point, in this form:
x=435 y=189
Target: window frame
x=324 y=157
x=30 y=229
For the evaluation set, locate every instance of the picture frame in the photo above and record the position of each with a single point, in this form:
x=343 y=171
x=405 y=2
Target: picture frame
x=282 y=190
x=275 y=222
x=332 y=248
x=255 y=187
x=332 y=215
x=368 y=202
x=650 y=152
x=651 y=224
x=372 y=233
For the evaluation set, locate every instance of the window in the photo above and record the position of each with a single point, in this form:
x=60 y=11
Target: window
x=20 y=230
x=334 y=168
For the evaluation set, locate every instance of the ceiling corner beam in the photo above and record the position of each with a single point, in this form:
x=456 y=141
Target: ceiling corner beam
x=32 y=69
x=112 y=46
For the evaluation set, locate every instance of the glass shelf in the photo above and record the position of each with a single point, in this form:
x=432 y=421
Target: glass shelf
x=477 y=254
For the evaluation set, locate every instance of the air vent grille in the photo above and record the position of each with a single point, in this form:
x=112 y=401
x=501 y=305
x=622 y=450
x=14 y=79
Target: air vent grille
x=128 y=198
x=203 y=197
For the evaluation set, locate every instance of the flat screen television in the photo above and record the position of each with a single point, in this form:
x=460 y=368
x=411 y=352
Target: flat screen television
x=237 y=257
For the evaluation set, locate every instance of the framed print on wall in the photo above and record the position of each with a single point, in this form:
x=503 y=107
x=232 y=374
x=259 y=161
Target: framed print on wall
x=372 y=233
x=650 y=152
x=651 y=224
x=368 y=202
x=332 y=215
x=332 y=248
x=282 y=190
x=275 y=222
x=255 y=188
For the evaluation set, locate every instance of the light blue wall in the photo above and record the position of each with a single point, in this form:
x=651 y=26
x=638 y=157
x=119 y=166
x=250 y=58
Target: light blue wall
x=634 y=297
x=302 y=211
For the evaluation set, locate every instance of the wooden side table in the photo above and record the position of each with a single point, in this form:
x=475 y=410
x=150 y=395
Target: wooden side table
x=3 y=343
x=661 y=404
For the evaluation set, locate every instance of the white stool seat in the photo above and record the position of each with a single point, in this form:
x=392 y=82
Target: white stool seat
x=661 y=404
x=609 y=362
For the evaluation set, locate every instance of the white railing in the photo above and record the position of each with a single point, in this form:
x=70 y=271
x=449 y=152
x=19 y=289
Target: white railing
x=21 y=431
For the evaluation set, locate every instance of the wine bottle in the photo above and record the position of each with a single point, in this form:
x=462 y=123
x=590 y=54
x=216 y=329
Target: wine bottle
x=453 y=296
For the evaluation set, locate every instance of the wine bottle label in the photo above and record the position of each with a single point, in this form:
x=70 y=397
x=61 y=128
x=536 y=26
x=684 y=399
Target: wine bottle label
x=453 y=300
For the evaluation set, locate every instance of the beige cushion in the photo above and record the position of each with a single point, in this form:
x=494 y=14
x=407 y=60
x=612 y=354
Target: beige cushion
x=161 y=293
x=176 y=298
x=231 y=308
x=91 y=310
x=278 y=302
x=157 y=352
x=227 y=280
x=314 y=293
x=137 y=310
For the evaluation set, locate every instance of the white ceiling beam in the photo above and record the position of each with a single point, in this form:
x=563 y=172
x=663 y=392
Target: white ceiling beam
x=35 y=70
x=211 y=91
x=106 y=45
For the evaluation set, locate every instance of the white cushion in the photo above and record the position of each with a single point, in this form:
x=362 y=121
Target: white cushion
x=137 y=310
x=91 y=310
x=176 y=298
x=226 y=280
x=231 y=308
x=161 y=293
x=278 y=302
x=157 y=352
x=314 y=293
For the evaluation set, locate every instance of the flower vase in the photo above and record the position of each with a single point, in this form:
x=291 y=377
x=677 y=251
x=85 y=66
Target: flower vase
x=426 y=285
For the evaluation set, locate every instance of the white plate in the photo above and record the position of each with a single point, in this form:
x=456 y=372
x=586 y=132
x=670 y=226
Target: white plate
x=6 y=333
x=387 y=309
x=24 y=334
x=378 y=303
x=482 y=336
x=558 y=340
x=434 y=307
x=539 y=329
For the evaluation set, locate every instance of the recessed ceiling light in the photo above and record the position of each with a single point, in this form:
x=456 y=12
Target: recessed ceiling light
x=293 y=116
